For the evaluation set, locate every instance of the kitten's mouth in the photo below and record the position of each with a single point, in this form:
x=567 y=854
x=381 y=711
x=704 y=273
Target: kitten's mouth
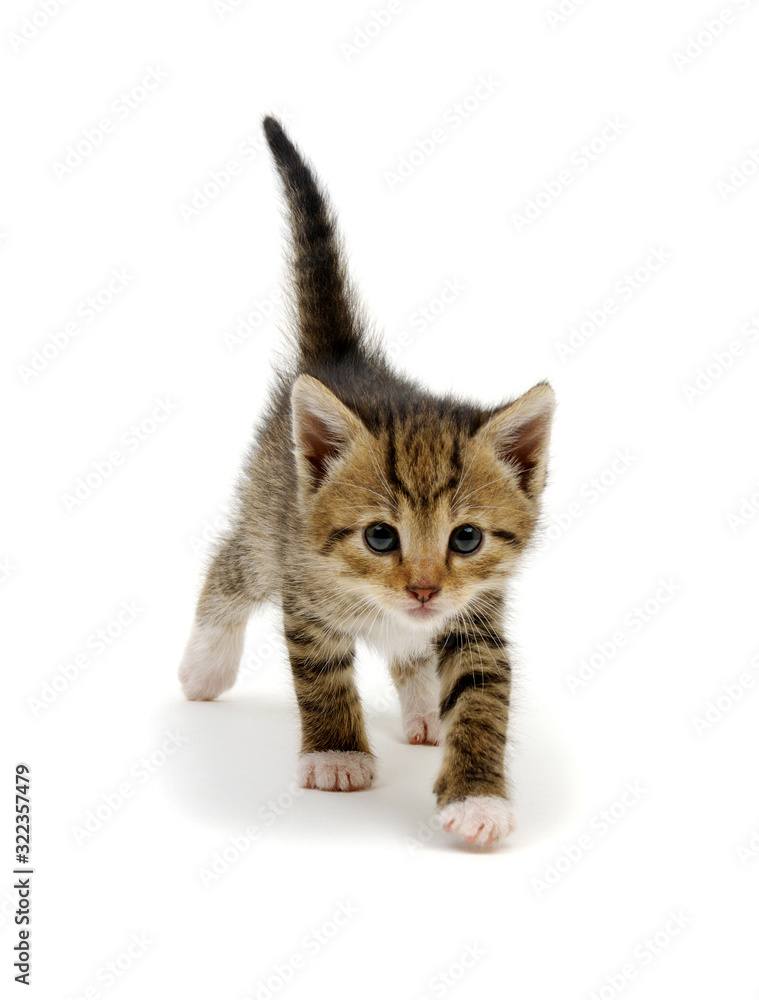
x=422 y=611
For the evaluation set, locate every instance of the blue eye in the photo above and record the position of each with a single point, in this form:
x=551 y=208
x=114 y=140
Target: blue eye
x=465 y=539
x=382 y=538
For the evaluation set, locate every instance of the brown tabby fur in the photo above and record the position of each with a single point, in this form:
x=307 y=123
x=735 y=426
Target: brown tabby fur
x=347 y=442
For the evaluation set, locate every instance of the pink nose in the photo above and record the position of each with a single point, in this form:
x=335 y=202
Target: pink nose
x=423 y=594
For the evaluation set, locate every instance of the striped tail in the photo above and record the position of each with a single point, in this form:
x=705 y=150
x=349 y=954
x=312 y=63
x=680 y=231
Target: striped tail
x=328 y=327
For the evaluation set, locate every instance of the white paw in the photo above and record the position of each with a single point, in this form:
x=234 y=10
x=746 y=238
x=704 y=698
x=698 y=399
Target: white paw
x=336 y=770
x=424 y=729
x=480 y=819
x=210 y=662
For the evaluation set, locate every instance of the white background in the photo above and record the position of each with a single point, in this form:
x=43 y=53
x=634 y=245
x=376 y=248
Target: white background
x=572 y=906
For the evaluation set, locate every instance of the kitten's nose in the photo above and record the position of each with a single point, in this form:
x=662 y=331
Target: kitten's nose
x=423 y=592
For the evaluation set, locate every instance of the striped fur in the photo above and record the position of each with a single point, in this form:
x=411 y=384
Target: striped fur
x=347 y=443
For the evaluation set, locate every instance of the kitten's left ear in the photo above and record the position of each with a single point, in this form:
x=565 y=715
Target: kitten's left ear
x=323 y=427
x=520 y=434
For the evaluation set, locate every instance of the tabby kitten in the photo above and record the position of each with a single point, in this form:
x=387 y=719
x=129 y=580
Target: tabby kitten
x=369 y=508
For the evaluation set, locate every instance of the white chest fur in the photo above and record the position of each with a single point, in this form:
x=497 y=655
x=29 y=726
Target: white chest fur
x=395 y=640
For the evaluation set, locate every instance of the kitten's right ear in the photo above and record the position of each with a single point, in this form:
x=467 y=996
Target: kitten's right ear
x=323 y=427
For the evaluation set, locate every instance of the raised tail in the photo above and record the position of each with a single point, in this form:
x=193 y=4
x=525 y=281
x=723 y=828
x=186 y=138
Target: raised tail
x=328 y=325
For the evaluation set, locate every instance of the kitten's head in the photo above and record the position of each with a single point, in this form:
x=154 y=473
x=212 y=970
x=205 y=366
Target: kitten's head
x=420 y=514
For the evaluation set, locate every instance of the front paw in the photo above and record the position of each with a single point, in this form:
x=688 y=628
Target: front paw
x=424 y=729
x=210 y=662
x=336 y=770
x=482 y=820
x=200 y=679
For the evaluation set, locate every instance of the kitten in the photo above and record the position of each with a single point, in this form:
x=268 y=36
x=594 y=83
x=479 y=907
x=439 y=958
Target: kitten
x=369 y=508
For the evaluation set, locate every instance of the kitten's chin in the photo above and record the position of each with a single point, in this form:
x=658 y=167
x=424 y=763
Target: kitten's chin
x=423 y=616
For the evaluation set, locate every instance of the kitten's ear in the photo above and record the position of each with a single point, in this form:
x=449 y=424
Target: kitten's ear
x=323 y=427
x=520 y=434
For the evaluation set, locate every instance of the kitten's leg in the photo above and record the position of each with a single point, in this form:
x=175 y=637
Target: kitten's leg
x=475 y=689
x=418 y=687
x=212 y=655
x=335 y=753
